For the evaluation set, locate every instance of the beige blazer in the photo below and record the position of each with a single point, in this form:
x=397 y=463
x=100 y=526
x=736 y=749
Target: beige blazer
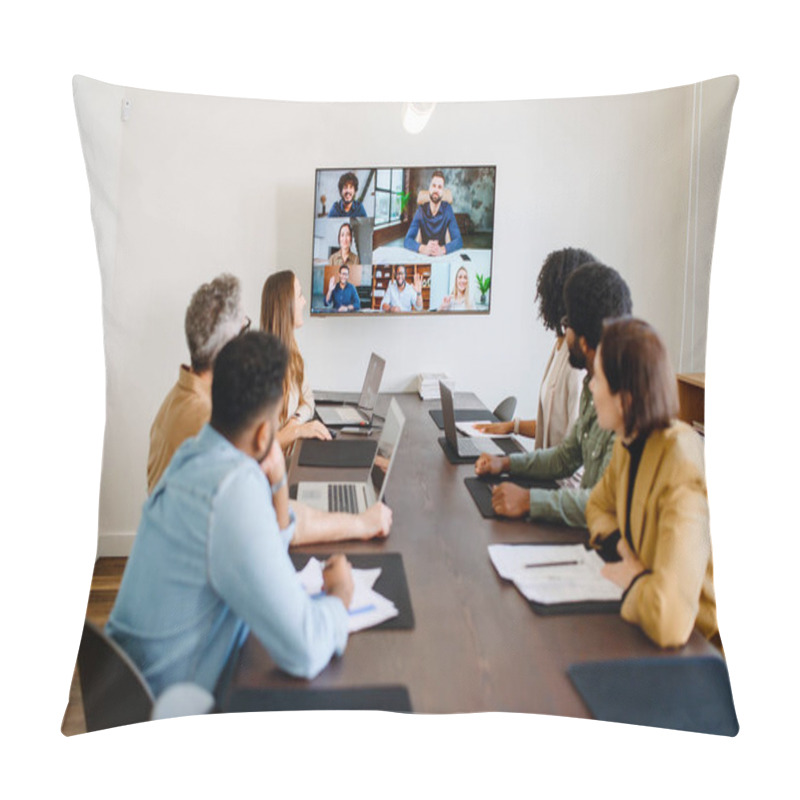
x=669 y=527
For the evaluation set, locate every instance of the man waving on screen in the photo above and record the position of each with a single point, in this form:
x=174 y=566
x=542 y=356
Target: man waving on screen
x=433 y=221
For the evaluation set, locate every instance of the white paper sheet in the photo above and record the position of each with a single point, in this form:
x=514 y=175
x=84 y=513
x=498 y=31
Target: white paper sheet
x=367 y=608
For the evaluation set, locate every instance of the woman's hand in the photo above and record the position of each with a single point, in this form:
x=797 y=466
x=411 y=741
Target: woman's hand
x=623 y=572
x=313 y=430
x=495 y=427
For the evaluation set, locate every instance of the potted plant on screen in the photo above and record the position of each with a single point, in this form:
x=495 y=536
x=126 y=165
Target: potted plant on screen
x=483 y=285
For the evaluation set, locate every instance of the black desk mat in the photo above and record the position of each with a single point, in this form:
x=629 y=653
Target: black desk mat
x=391 y=583
x=462 y=415
x=508 y=446
x=684 y=694
x=480 y=490
x=362 y=698
x=337 y=453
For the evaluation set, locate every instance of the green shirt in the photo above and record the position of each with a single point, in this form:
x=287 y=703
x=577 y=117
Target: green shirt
x=586 y=443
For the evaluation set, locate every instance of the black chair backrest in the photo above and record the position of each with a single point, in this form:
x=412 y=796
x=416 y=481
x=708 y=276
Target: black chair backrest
x=114 y=691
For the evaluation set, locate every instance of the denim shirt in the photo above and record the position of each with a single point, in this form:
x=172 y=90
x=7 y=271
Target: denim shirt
x=209 y=563
x=587 y=444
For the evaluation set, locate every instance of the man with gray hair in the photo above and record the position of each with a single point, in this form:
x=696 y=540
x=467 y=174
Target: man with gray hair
x=213 y=318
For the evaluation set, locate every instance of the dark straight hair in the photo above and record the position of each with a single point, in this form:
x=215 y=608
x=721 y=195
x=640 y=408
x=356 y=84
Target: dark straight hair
x=636 y=363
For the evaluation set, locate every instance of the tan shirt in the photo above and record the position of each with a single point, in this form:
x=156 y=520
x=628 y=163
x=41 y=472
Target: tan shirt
x=669 y=527
x=559 y=398
x=184 y=411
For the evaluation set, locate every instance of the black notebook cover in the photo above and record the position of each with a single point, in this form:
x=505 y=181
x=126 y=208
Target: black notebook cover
x=462 y=415
x=367 y=698
x=508 y=446
x=337 y=453
x=684 y=694
x=481 y=490
x=391 y=583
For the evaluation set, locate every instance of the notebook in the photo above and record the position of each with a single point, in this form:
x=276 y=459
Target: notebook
x=335 y=415
x=355 y=497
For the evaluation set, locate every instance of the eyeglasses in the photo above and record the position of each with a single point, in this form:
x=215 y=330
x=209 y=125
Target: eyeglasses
x=246 y=326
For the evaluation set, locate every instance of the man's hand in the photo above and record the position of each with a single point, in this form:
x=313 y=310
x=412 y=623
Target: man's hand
x=425 y=249
x=343 y=309
x=337 y=578
x=510 y=500
x=375 y=522
x=491 y=465
x=495 y=427
x=274 y=464
x=313 y=430
x=331 y=284
x=435 y=249
x=623 y=572
x=418 y=283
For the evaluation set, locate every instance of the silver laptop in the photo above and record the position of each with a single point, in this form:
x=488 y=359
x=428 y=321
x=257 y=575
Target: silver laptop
x=362 y=413
x=463 y=445
x=355 y=497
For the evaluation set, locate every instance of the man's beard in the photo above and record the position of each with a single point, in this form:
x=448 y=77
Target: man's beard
x=577 y=359
x=435 y=198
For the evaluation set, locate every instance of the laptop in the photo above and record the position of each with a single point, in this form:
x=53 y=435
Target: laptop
x=356 y=497
x=463 y=446
x=362 y=412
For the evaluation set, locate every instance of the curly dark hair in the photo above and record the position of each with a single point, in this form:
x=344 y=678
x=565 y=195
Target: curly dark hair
x=592 y=294
x=248 y=380
x=348 y=177
x=557 y=267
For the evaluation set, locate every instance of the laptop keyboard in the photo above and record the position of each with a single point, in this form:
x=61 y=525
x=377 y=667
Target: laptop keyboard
x=342 y=497
x=466 y=447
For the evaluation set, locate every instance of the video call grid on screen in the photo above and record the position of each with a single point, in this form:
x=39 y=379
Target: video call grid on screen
x=399 y=229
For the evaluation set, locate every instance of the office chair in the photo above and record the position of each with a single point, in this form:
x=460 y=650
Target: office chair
x=506 y=408
x=114 y=691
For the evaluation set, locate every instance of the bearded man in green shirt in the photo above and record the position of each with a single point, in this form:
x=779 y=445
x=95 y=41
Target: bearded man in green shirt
x=592 y=294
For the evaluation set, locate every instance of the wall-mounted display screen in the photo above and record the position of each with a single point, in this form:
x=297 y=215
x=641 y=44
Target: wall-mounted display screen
x=407 y=240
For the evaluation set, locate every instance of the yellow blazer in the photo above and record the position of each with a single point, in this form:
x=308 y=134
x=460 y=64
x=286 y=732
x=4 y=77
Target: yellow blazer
x=669 y=528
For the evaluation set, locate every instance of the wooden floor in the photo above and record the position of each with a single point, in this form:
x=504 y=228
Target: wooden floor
x=105 y=585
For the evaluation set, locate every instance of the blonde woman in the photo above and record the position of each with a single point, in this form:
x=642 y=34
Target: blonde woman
x=459 y=300
x=282 y=304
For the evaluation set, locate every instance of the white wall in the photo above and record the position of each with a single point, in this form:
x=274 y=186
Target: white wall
x=211 y=184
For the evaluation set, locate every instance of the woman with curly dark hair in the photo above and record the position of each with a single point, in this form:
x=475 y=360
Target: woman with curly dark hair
x=559 y=396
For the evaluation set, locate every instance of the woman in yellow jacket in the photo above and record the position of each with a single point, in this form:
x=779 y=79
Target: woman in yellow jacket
x=648 y=515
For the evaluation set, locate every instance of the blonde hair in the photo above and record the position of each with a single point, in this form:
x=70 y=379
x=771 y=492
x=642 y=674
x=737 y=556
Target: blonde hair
x=467 y=300
x=277 y=318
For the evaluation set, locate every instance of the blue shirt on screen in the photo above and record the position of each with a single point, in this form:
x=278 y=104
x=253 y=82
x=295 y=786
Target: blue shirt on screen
x=209 y=563
x=344 y=297
x=434 y=228
x=356 y=210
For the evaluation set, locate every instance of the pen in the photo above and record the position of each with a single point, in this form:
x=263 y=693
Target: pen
x=551 y=564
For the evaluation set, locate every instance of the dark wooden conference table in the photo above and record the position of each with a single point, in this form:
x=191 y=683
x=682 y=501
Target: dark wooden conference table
x=476 y=645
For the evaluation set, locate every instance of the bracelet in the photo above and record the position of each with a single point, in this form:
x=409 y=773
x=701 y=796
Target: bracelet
x=516 y=424
x=279 y=485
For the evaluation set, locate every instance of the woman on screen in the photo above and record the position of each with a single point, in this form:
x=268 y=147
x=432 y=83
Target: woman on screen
x=282 y=304
x=560 y=392
x=648 y=515
x=459 y=300
x=345 y=255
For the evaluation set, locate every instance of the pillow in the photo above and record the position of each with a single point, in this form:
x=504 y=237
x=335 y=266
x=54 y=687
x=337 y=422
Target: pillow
x=184 y=187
